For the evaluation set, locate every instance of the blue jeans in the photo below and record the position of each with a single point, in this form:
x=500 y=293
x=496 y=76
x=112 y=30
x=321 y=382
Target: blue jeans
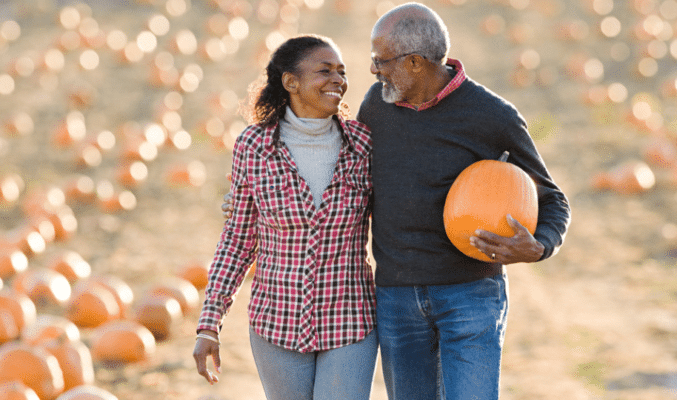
x=338 y=374
x=443 y=341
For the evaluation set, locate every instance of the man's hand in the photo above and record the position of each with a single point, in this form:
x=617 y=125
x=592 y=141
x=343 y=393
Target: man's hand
x=227 y=206
x=520 y=248
x=203 y=349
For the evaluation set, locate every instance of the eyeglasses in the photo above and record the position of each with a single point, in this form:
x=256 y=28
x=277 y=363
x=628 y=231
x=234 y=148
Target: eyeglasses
x=378 y=63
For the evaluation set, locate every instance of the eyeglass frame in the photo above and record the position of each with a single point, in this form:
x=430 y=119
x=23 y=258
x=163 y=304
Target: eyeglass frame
x=380 y=63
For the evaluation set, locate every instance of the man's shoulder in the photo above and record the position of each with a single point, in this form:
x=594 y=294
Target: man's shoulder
x=489 y=99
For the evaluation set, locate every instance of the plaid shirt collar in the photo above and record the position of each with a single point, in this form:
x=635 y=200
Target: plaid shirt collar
x=456 y=80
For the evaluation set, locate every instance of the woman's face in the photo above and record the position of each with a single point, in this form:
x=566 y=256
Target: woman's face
x=318 y=88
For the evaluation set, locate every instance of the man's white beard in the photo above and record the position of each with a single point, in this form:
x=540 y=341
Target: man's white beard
x=391 y=93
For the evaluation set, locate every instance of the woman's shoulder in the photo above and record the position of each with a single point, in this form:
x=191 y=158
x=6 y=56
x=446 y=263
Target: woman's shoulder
x=253 y=136
x=359 y=134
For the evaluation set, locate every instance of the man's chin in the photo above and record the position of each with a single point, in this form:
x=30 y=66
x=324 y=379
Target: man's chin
x=390 y=95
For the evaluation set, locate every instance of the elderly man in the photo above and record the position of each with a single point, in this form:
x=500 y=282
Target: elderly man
x=441 y=315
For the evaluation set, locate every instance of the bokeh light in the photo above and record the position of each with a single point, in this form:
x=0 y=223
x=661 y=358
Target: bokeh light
x=89 y=59
x=186 y=42
x=238 y=28
x=69 y=18
x=159 y=25
x=146 y=41
x=116 y=40
x=6 y=84
x=618 y=93
x=647 y=67
x=54 y=59
x=610 y=27
x=10 y=30
x=603 y=7
x=594 y=70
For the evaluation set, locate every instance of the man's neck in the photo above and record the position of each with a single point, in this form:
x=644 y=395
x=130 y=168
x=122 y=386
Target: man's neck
x=431 y=86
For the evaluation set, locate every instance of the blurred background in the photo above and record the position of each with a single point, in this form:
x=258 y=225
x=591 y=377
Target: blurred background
x=117 y=120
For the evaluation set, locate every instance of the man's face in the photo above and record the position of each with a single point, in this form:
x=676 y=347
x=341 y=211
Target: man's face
x=390 y=71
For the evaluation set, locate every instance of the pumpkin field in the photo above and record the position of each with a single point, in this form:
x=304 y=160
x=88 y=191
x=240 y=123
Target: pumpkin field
x=117 y=120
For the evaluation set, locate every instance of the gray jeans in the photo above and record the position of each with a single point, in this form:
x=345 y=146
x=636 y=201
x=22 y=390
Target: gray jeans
x=338 y=374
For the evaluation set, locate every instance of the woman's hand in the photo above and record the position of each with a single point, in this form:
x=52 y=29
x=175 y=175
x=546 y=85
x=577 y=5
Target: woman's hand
x=204 y=348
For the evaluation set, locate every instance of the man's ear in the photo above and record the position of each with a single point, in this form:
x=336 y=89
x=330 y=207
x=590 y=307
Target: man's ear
x=417 y=63
x=290 y=82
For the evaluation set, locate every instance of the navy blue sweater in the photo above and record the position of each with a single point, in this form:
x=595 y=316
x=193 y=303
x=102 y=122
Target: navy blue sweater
x=418 y=155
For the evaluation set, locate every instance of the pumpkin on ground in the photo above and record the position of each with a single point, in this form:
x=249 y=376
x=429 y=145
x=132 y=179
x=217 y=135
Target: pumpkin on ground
x=8 y=329
x=71 y=265
x=482 y=196
x=47 y=327
x=118 y=287
x=33 y=366
x=159 y=313
x=87 y=392
x=12 y=261
x=92 y=305
x=122 y=342
x=43 y=286
x=196 y=273
x=180 y=289
x=20 y=306
x=17 y=390
x=74 y=359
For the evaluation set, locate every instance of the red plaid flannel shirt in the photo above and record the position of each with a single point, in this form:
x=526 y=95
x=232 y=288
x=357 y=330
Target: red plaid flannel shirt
x=313 y=288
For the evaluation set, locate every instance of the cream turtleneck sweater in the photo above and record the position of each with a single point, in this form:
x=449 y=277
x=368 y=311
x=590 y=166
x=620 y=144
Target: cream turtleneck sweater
x=314 y=144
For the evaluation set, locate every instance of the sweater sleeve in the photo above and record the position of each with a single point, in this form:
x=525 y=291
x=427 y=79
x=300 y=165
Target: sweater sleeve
x=554 y=212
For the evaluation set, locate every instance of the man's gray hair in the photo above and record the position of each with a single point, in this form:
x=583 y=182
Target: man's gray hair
x=428 y=37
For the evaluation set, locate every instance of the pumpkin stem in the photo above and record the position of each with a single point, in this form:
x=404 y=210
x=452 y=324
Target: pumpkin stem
x=504 y=156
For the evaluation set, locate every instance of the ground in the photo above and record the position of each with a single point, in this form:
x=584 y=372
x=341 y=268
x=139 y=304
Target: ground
x=596 y=321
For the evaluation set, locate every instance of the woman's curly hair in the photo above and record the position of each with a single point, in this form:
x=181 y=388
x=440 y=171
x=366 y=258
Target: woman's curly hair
x=268 y=99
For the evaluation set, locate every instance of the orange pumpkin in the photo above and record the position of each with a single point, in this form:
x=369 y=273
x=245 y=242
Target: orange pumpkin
x=33 y=366
x=47 y=327
x=160 y=314
x=12 y=261
x=482 y=196
x=17 y=390
x=71 y=265
x=118 y=287
x=195 y=273
x=87 y=392
x=180 y=289
x=8 y=327
x=43 y=286
x=121 y=342
x=92 y=305
x=20 y=306
x=74 y=359
x=631 y=177
x=81 y=190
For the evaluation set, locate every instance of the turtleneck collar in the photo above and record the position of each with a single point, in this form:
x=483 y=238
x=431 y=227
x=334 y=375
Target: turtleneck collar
x=308 y=126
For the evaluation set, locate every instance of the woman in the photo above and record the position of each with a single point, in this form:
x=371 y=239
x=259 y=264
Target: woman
x=301 y=189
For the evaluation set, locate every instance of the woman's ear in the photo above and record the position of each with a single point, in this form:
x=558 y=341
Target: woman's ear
x=290 y=82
